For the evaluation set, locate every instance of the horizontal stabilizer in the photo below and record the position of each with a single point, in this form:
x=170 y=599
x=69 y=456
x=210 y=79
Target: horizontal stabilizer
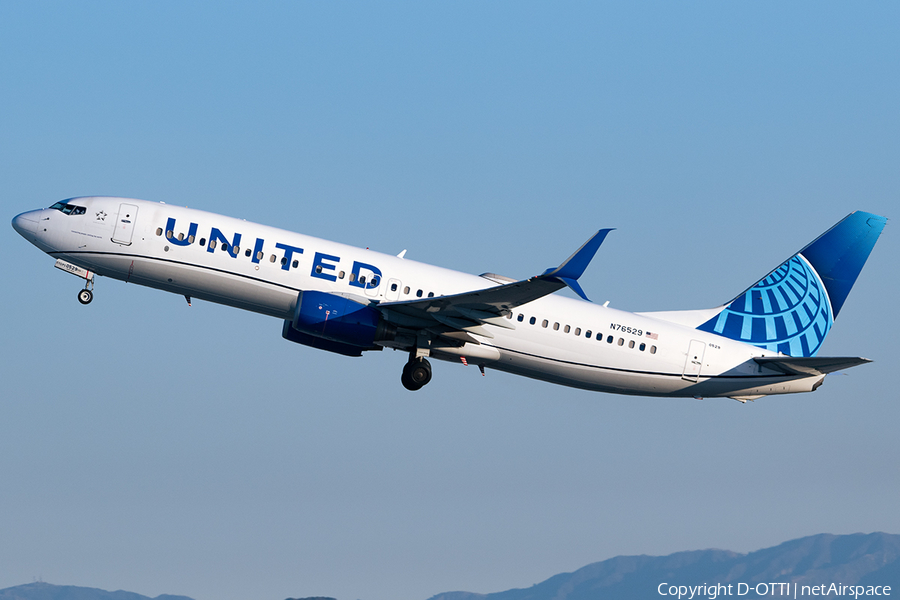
x=813 y=365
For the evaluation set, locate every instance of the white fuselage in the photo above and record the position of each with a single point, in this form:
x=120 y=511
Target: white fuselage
x=556 y=339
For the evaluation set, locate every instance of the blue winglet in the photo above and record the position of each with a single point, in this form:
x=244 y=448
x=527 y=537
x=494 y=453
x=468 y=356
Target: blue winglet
x=573 y=267
x=576 y=287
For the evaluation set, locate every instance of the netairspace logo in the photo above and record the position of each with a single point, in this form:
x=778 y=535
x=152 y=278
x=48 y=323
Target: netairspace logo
x=791 y=590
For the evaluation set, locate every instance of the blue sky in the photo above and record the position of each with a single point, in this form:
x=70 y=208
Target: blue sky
x=153 y=447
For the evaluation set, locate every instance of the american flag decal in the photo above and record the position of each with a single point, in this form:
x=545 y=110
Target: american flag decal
x=652 y=336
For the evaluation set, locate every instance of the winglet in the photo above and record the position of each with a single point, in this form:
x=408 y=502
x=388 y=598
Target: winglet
x=575 y=286
x=573 y=267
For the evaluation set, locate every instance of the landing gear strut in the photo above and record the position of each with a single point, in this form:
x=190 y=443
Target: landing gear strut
x=416 y=373
x=86 y=295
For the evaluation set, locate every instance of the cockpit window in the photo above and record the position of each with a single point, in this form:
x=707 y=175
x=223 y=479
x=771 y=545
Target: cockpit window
x=69 y=209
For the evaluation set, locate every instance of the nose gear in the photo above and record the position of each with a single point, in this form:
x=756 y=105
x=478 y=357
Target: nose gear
x=87 y=294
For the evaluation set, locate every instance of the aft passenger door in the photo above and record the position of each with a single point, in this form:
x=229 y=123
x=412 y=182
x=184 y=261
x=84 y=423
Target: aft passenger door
x=125 y=224
x=694 y=361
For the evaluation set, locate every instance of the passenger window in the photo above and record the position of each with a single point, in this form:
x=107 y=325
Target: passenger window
x=225 y=247
x=212 y=243
x=431 y=294
x=609 y=340
x=352 y=276
x=599 y=337
x=545 y=323
x=393 y=287
x=587 y=334
x=642 y=347
x=621 y=341
x=341 y=275
x=556 y=327
x=509 y=316
x=180 y=237
x=532 y=320
x=418 y=293
x=271 y=257
x=318 y=268
x=520 y=318
x=259 y=255
x=652 y=349
x=295 y=264
x=169 y=234
x=247 y=253
x=202 y=241
x=631 y=343
x=190 y=239
x=567 y=329
x=406 y=290
x=235 y=250
x=158 y=231
x=578 y=331
x=362 y=279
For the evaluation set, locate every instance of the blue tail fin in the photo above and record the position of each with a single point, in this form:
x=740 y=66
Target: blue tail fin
x=791 y=309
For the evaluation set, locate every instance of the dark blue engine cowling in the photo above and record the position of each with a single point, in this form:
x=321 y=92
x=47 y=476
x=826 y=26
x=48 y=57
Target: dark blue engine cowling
x=348 y=326
x=289 y=333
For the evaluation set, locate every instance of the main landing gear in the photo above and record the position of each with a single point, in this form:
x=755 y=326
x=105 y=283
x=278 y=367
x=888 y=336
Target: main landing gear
x=416 y=373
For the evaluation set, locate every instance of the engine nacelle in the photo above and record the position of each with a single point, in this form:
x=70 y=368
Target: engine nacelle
x=292 y=335
x=349 y=326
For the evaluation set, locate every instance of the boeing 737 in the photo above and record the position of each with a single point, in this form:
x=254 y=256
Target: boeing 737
x=349 y=300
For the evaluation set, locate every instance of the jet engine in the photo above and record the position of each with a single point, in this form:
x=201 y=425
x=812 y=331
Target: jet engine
x=337 y=324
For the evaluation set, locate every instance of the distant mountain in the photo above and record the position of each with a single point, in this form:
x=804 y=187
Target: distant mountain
x=857 y=559
x=46 y=591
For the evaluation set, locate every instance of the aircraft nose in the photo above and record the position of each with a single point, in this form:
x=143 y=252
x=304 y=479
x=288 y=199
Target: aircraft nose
x=26 y=224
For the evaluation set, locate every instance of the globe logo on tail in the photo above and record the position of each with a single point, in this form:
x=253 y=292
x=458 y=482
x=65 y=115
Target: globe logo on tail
x=788 y=311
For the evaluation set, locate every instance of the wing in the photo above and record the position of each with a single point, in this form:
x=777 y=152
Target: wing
x=458 y=315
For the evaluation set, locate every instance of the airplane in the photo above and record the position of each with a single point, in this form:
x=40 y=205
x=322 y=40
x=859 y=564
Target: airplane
x=349 y=300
